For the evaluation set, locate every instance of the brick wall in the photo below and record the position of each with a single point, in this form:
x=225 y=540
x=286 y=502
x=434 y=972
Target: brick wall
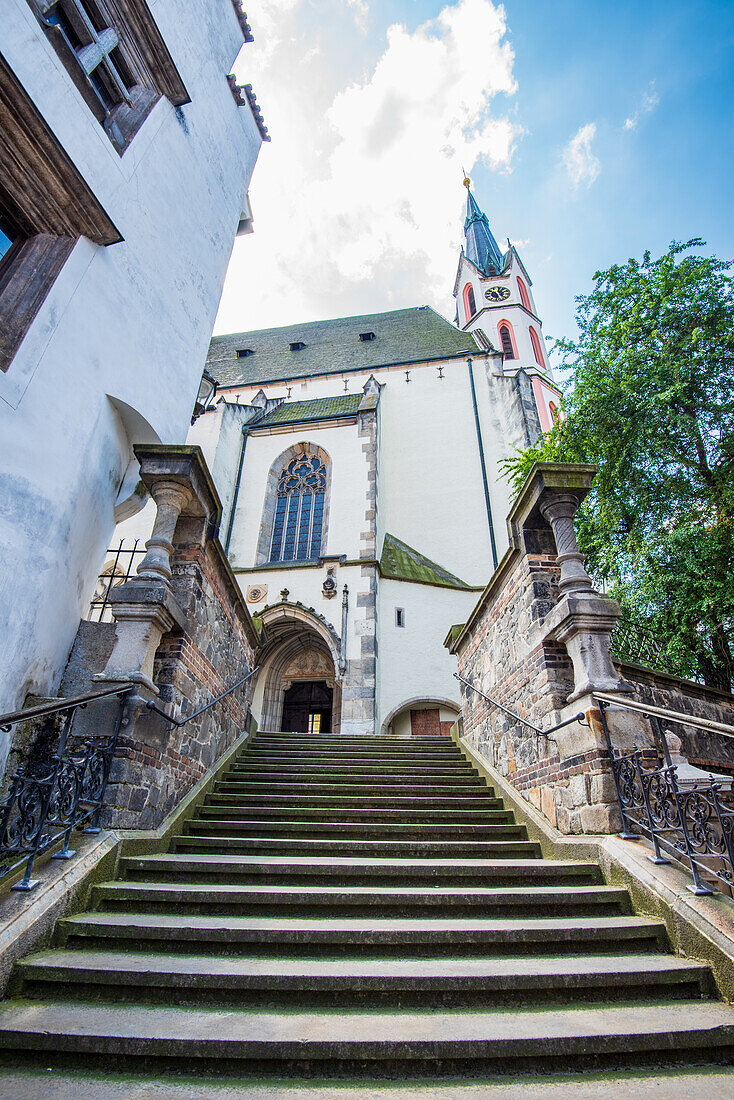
x=503 y=655
x=157 y=766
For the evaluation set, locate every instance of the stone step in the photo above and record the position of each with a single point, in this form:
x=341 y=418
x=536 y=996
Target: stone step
x=342 y=870
x=373 y=1044
x=438 y=745
x=340 y=900
x=417 y=759
x=362 y=827
x=29 y=1081
x=352 y=739
x=300 y=845
x=459 y=936
x=355 y=773
x=240 y=981
x=340 y=810
x=392 y=793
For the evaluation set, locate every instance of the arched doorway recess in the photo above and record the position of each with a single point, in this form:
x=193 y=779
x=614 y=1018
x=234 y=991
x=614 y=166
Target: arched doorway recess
x=421 y=716
x=300 y=673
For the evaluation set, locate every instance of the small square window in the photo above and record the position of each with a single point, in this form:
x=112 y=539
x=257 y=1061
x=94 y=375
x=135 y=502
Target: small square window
x=242 y=353
x=399 y=616
x=365 y=336
x=297 y=345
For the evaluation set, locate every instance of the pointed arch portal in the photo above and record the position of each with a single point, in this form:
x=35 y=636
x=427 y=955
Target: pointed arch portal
x=300 y=677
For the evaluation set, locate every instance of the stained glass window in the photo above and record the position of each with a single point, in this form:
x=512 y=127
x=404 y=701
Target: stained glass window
x=299 y=510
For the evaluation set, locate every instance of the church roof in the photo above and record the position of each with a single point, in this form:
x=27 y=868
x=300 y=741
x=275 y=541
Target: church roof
x=333 y=347
x=481 y=247
x=403 y=563
x=323 y=408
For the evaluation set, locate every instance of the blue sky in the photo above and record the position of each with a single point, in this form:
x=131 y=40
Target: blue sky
x=591 y=131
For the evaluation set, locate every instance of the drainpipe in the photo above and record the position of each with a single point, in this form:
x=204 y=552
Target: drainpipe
x=483 y=463
x=343 y=646
x=233 y=509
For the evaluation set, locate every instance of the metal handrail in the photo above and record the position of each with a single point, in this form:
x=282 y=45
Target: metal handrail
x=670 y=715
x=182 y=721
x=15 y=716
x=693 y=827
x=50 y=798
x=580 y=717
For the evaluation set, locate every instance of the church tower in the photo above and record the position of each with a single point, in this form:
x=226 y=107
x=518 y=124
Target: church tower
x=494 y=302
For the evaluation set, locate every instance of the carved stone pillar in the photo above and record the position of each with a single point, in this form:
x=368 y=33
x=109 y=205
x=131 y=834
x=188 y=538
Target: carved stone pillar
x=144 y=608
x=582 y=620
x=560 y=510
x=170 y=498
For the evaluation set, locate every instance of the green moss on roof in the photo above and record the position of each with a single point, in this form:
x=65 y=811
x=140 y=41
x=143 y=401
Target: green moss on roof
x=333 y=347
x=402 y=562
x=453 y=634
x=298 y=411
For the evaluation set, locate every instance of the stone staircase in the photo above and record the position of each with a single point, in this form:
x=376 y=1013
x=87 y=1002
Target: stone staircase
x=359 y=907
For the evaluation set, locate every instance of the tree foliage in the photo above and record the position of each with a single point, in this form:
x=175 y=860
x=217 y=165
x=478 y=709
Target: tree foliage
x=651 y=402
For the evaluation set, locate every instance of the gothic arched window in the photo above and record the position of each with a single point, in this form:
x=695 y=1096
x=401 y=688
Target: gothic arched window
x=524 y=296
x=470 y=305
x=537 y=347
x=299 y=510
x=507 y=340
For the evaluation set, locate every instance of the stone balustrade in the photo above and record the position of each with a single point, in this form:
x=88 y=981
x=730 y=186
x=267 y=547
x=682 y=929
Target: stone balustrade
x=538 y=642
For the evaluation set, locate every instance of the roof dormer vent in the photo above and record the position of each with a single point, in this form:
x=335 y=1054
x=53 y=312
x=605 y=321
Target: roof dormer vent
x=297 y=345
x=364 y=336
x=242 y=353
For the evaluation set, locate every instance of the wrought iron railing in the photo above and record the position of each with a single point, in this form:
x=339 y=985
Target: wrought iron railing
x=637 y=644
x=207 y=706
x=120 y=566
x=694 y=827
x=580 y=717
x=58 y=790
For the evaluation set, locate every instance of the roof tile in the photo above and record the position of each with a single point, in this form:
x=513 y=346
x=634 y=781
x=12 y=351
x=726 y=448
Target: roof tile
x=291 y=412
x=333 y=347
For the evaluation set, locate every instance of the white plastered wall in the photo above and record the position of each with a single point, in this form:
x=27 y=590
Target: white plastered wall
x=429 y=474
x=131 y=321
x=348 y=488
x=413 y=662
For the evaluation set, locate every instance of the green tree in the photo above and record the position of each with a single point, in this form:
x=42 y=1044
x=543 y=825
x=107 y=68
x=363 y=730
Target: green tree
x=651 y=402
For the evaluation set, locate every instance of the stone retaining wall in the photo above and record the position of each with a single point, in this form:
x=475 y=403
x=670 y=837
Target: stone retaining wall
x=504 y=656
x=707 y=750
x=509 y=649
x=157 y=766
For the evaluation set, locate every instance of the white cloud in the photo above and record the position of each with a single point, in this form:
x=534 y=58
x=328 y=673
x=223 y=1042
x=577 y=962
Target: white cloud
x=358 y=201
x=361 y=11
x=648 y=103
x=580 y=163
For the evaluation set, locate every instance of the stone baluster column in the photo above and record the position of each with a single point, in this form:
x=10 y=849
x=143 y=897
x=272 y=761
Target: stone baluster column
x=170 y=498
x=582 y=620
x=144 y=608
x=560 y=512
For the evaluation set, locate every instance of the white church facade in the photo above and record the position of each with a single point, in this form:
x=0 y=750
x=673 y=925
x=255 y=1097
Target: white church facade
x=358 y=463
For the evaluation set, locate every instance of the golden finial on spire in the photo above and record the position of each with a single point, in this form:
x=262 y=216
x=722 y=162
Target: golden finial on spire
x=467 y=181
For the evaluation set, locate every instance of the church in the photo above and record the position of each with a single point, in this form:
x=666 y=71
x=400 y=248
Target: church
x=359 y=464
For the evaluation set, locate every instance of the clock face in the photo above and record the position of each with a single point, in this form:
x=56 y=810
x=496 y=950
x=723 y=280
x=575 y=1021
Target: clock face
x=497 y=293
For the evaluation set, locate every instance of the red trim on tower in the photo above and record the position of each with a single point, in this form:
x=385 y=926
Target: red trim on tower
x=470 y=305
x=537 y=348
x=524 y=296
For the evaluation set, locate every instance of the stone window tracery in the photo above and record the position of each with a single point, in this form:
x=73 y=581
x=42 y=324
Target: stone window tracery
x=299 y=510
